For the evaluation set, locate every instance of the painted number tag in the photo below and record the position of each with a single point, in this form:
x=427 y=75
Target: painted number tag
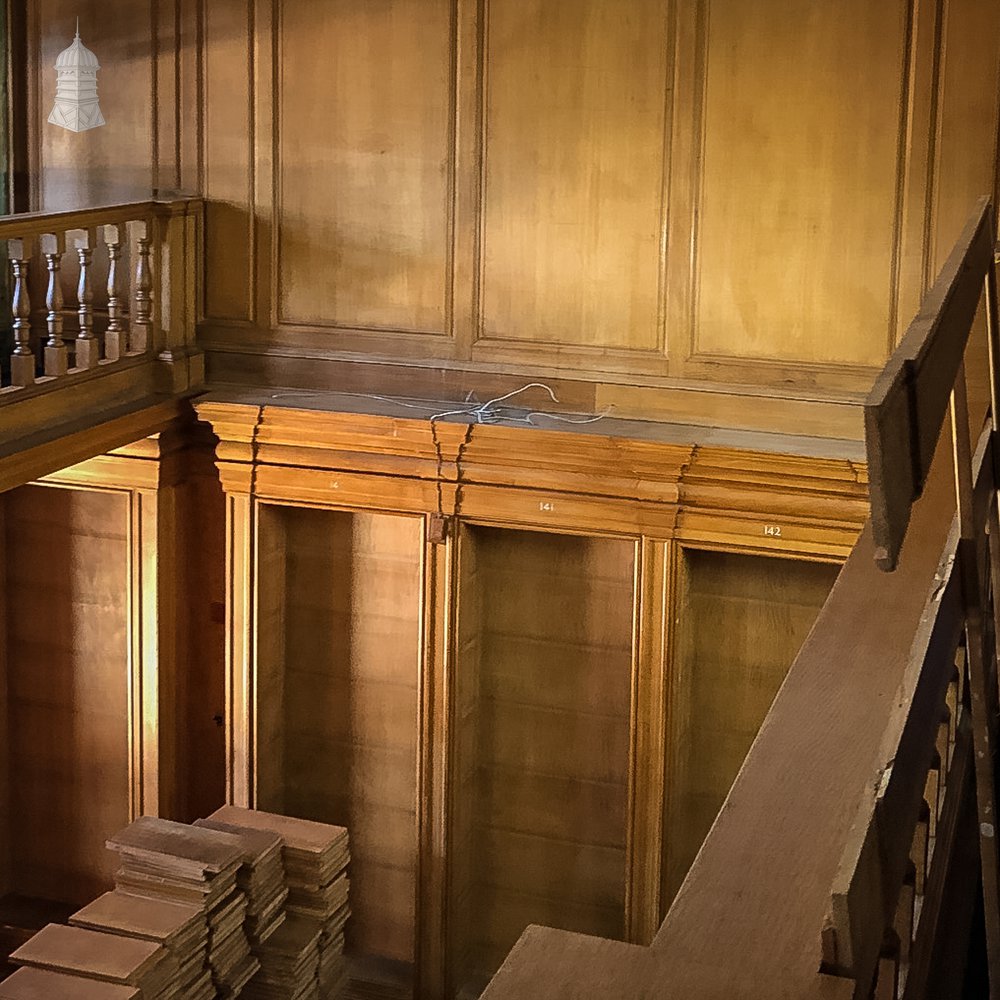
x=547 y=506
x=772 y=530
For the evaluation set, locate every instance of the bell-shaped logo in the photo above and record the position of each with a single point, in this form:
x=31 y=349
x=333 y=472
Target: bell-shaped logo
x=76 y=106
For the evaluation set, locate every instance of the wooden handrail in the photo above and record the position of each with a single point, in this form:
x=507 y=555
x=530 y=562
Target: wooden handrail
x=24 y=224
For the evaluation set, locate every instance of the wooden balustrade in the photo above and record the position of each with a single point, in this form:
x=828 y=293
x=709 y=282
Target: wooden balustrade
x=840 y=864
x=128 y=321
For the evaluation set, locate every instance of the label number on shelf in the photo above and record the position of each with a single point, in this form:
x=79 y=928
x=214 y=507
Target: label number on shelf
x=547 y=506
x=772 y=530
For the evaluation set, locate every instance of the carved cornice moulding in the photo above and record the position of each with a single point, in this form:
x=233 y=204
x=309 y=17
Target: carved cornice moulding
x=563 y=479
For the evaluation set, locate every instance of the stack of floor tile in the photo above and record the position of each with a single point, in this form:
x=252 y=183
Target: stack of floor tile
x=40 y=984
x=181 y=863
x=181 y=928
x=315 y=857
x=289 y=963
x=230 y=958
x=261 y=877
x=109 y=958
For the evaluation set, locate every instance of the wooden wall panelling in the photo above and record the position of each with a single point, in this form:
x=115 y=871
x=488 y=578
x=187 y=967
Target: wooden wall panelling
x=966 y=161
x=441 y=578
x=154 y=528
x=653 y=631
x=363 y=154
x=349 y=729
x=118 y=535
x=751 y=129
x=263 y=162
x=464 y=904
x=268 y=674
x=241 y=584
x=787 y=105
x=177 y=122
x=166 y=91
x=968 y=101
x=190 y=171
x=201 y=697
x=552 y=725
x=22 y=98
x=69 y=687
x=446 y=168
x=168 y=665
x=227 y=149
x=740 y=622
x=574 y=141
x=921 y=139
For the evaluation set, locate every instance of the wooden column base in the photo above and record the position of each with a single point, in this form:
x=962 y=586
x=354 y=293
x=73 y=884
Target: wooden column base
x=139 y=338
x=114 y=341
x=22 y=369
x=56 y=361
x=88 y=353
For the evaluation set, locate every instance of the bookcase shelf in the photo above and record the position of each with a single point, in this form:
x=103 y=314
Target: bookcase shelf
x=338 y=683
x=480 y=649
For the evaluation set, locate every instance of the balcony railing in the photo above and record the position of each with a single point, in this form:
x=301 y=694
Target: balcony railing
x=104 y=302
x=844 y=861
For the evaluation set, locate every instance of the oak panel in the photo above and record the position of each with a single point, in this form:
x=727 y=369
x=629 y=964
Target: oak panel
x=741 y=620
x=67 y=677
x=202 y=685
x=338 y=687
x=574 y=121
x=794 y=216
x=363 y=153
x=228 y=151
x=965 y=162
x=540 y=760
x=966 y=150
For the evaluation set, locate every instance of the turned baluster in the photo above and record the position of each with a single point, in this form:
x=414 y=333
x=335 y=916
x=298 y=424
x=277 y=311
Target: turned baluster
x=887 y=981
x=143 y=323
x=88 y=348
x=22 y=361
x=115 y=339
x=906 y=914
x=56 y=352
x=918 y=850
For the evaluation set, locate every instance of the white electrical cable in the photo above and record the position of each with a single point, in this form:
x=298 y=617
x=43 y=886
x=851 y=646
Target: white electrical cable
x=482 y=413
